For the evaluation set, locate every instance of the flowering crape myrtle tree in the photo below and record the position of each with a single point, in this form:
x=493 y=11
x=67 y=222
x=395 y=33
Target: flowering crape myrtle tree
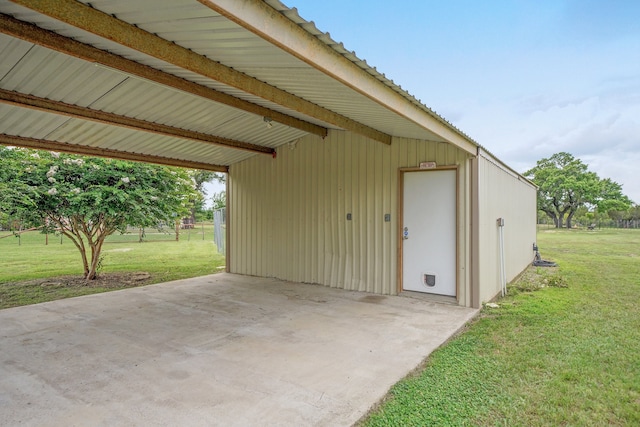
x=87 y=198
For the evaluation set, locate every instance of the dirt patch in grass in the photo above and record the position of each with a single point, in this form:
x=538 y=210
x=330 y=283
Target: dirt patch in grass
x=34 y=291
x=535 y=278
x=104 y=280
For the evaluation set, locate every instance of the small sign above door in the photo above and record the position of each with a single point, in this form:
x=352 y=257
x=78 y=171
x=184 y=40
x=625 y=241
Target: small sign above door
x=427 y=165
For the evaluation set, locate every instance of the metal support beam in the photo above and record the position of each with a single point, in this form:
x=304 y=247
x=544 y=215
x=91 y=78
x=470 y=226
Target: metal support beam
x=101 y=24
x=47 y=105
x=54 y=41
x=260 y=18
x=41 y=144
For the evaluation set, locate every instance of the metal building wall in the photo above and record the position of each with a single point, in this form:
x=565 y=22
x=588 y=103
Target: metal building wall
x=288 y=216
x=503 y=194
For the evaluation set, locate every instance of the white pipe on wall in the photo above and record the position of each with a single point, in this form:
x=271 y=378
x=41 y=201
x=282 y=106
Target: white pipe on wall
x=503 y=274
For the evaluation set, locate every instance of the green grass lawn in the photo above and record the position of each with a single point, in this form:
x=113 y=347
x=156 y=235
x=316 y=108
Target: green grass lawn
x=164 y=259
x=550 y=357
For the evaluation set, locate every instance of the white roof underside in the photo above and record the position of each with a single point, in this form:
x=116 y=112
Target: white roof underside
x=31 y=69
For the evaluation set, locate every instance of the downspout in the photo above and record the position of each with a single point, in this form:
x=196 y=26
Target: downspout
x=475 y=232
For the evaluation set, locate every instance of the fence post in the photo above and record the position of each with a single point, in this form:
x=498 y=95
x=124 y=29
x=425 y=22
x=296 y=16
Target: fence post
x=219 y=222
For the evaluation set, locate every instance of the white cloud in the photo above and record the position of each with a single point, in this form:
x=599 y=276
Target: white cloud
x=603 y=131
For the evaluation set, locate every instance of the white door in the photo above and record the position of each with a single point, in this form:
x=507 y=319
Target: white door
x=429 y=232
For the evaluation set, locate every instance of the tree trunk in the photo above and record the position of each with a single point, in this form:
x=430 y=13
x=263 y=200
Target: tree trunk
x=85 y=262
x=94 y=236
x=96 y=249
x=90 y=271
x=551 y=214
x=559 y=216
x=77 y=240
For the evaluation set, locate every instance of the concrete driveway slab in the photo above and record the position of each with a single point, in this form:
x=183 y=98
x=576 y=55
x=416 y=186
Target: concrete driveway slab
x=222 y=350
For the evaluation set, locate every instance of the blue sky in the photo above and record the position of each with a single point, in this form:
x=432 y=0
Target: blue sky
x=524 y=78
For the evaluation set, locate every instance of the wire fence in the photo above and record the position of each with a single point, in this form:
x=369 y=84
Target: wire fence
x=609 y=223
x=201 y=231
x=622 y=223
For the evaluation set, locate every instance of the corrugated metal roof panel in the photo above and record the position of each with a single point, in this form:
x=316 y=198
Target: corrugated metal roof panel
x=327 y=91
x=99 y=135
x=150 y=102
x=78 y=82
x=152 y=11
x=197 y=27
x=11 y=50
x=47 y=74
x=38 y=71
x=28 y=123
x=242 y=52
x=46 y=126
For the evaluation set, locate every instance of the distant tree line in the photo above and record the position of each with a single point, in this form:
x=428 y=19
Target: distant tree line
x=567 y=191
x=593 y=218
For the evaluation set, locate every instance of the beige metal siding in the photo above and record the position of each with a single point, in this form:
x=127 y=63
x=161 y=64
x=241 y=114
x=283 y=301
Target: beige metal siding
x=289 y=214
x=503 y=194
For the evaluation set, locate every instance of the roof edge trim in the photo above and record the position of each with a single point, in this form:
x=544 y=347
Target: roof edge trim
x=274 y=26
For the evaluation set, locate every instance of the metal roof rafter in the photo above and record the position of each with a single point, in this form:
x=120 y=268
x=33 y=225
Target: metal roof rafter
x=41 y=144
x=43 y=104
x=49 y=39
x=101 y=24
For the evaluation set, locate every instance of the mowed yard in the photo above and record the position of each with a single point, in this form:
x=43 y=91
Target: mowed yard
x=159 y=258
x=563 y=348
x=557 y=356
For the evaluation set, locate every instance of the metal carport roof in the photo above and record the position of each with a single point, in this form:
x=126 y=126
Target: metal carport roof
x=201 y=84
